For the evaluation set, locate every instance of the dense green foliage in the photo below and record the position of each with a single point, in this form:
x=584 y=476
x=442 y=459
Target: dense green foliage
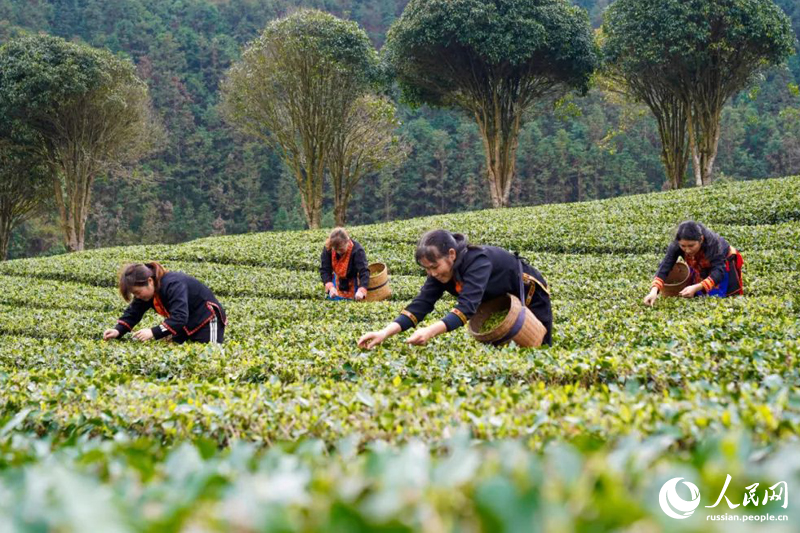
x=207 y=180
x=503 y=41
x=291 y=427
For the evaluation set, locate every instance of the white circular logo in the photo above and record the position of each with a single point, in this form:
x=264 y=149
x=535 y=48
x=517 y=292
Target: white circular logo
x=673 y=505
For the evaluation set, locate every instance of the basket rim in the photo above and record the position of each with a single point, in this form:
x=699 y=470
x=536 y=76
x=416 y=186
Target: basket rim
x=377 y=264
x=381 y=274
x=502 y=327
x=684 y=280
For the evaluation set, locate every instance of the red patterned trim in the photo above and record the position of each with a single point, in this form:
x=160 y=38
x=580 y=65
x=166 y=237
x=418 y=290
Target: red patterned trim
x=203 y=323
x=459 y=286
x=211 y=305
x=738 y=269
x=460 y=315
x=658 y=283
x=410 y=316
x=169 y=328
x=125 y=324
x=708 y=284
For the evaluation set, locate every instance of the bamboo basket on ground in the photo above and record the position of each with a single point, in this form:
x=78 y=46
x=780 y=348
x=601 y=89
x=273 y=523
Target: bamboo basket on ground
x=678 y=279
x=520 y=324
x=378 y=288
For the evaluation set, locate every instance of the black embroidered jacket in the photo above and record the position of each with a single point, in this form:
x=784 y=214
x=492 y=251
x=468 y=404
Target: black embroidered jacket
x=356 y=269
x=186 y=304
x=484 y=273
x=709 y=261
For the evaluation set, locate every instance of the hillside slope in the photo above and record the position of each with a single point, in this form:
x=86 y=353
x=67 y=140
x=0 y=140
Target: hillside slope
x=626 y=397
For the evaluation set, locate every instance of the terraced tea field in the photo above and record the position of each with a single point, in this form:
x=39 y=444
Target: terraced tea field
x=290 y=427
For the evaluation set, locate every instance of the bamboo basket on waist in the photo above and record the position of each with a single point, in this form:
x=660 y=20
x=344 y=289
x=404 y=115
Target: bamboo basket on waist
x=378 y=288
x=678 y=279
x=520 y=324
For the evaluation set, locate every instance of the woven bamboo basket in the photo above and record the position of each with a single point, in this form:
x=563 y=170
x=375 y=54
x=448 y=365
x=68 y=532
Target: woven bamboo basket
x=378 y=288
x=531 y=332
x=678 y=279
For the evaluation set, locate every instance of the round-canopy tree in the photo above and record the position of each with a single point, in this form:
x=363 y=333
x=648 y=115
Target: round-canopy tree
x=295 y=87
x=88 y=109
x=493 y=59
x=700 y=52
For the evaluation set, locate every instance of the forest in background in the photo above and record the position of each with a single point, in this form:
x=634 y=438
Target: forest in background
x=207 y=179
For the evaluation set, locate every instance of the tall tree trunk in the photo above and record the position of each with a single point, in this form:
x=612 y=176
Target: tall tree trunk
x=72 y=183
x=316 y=218
x=66 y=210
x=339 y=180
x=711 y=147
x=5 y=236
x=670 y=116
x=340 y=214
x=696 y=166
x=310 y=195
x=340 y=209
x=310 y=210
x=704 y=131
x=319 y=177
x=341 y=194
x=500 y=142
x=6 y=221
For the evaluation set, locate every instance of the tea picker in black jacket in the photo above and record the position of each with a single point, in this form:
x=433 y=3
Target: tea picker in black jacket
x=343 y=267
x=190 y=309
x=714 y=265
x=474 y=274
